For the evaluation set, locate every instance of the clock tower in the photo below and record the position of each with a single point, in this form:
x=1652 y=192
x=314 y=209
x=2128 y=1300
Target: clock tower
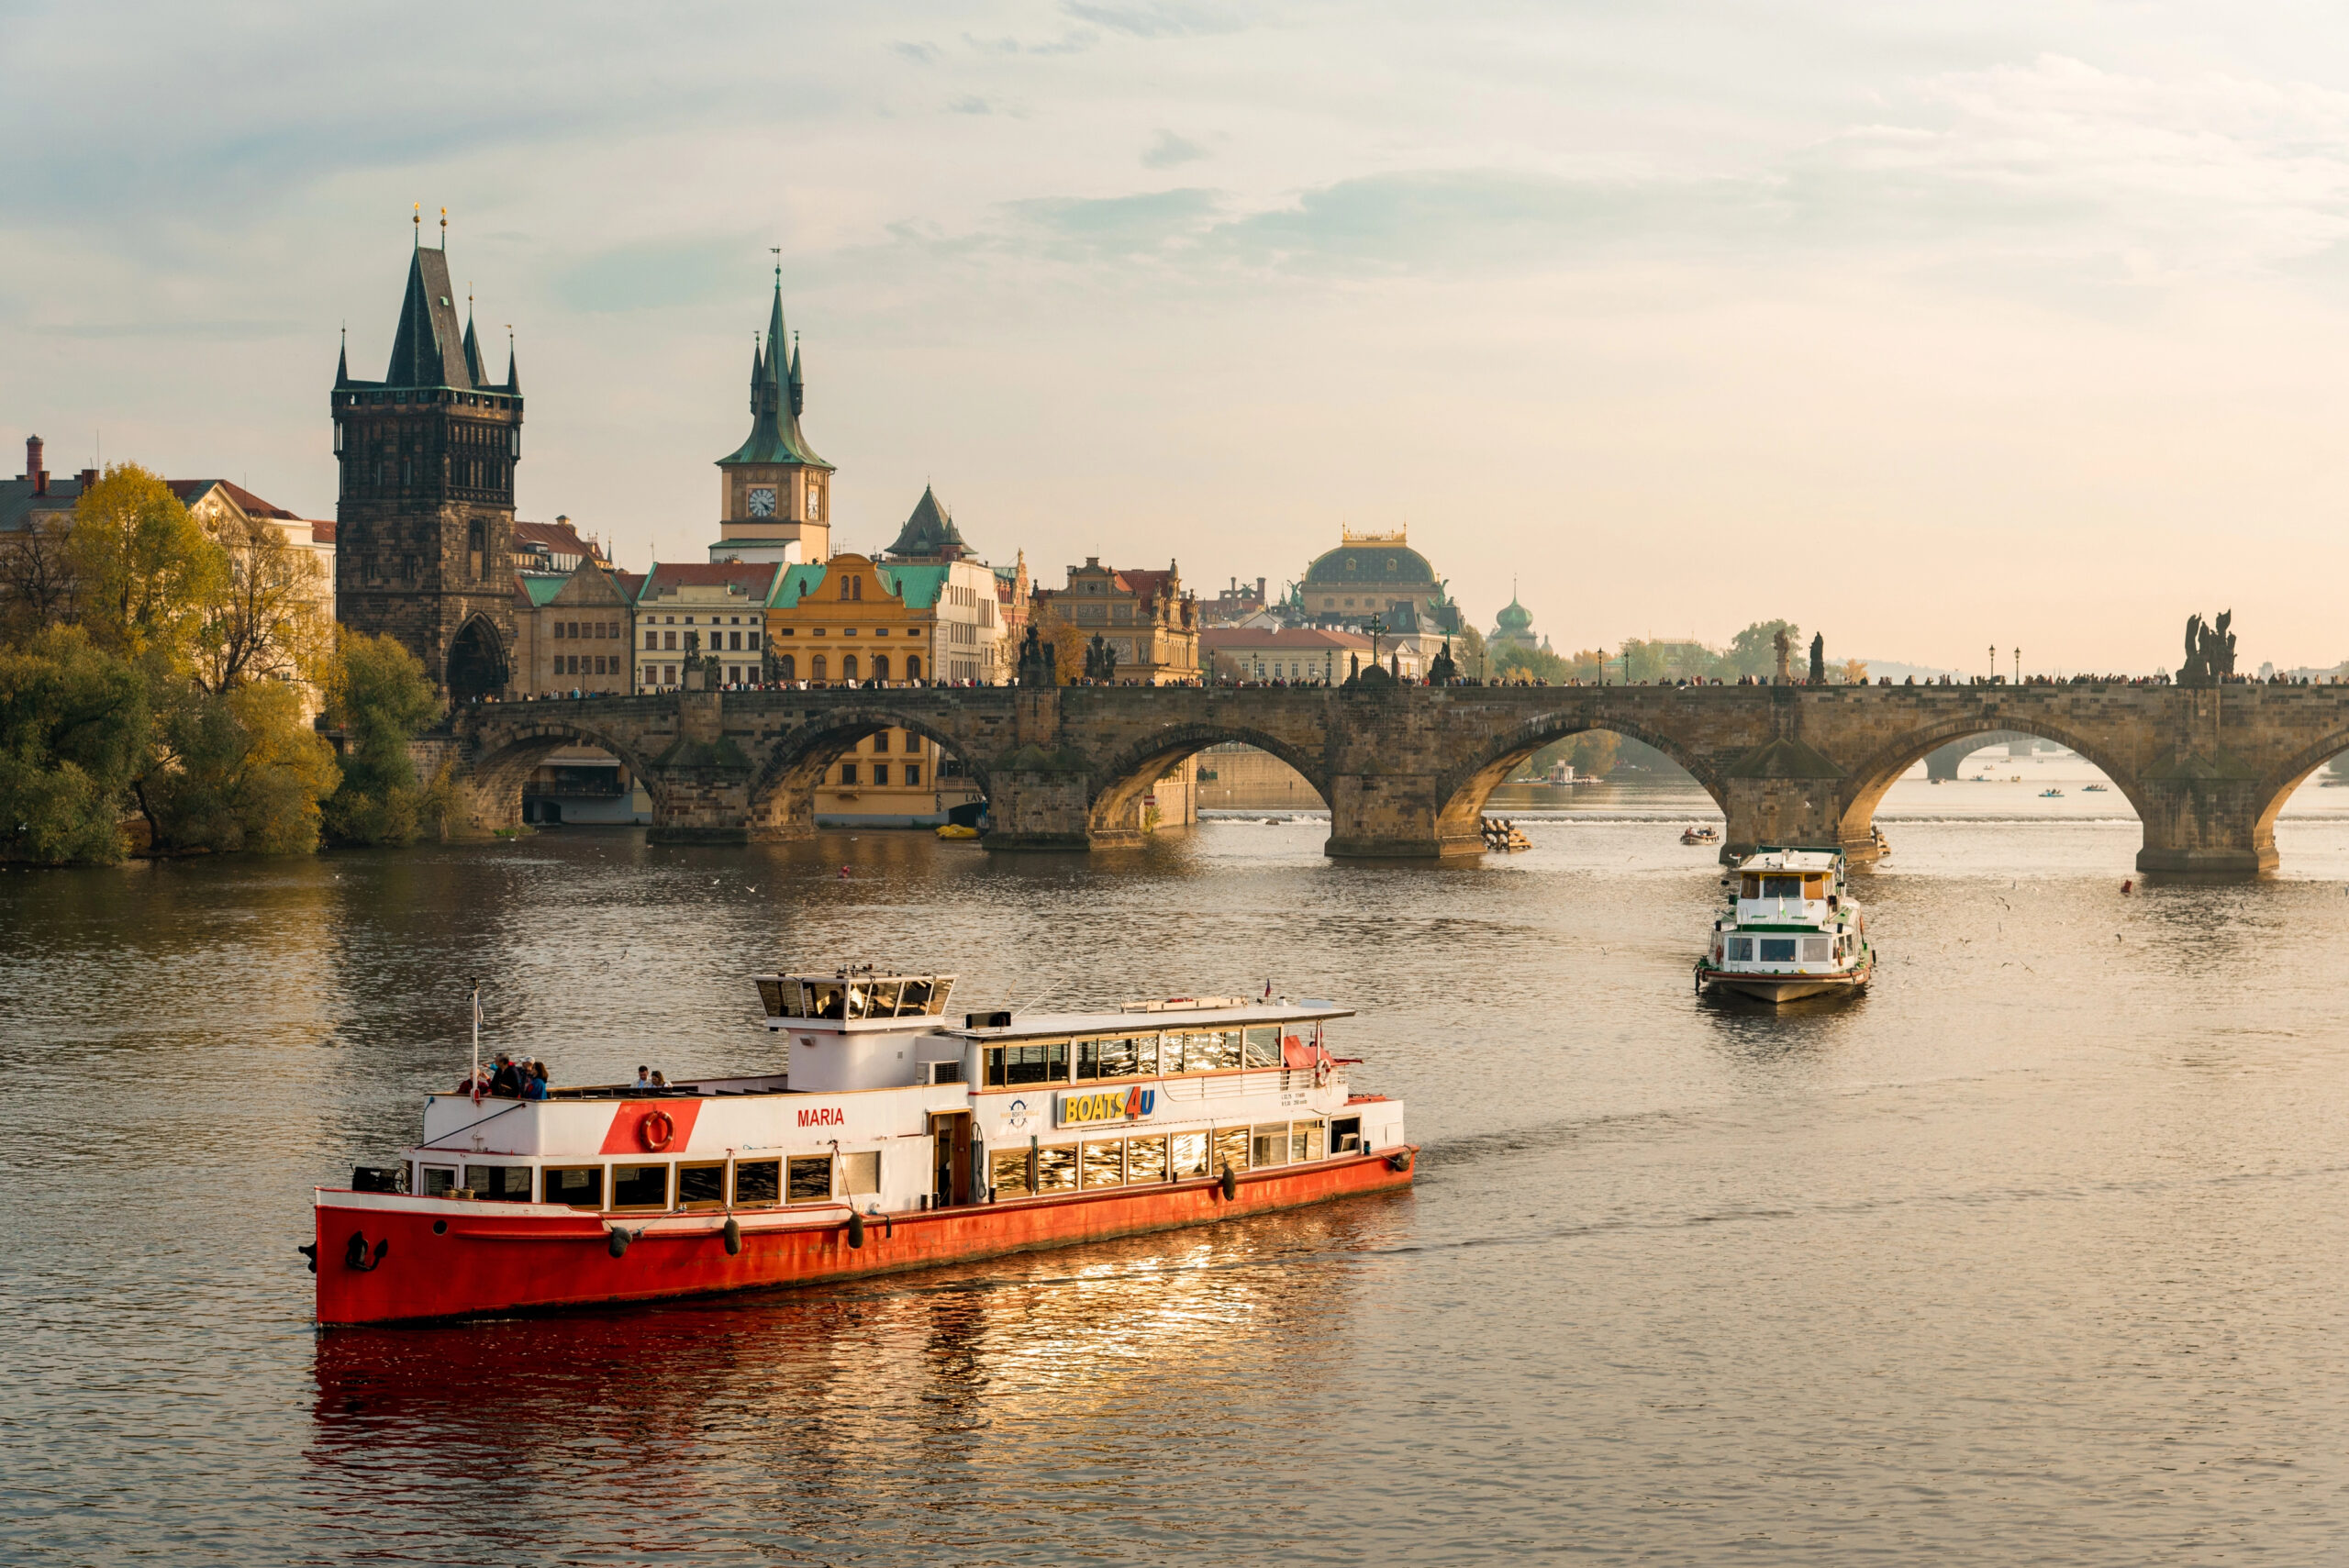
x=775 y=493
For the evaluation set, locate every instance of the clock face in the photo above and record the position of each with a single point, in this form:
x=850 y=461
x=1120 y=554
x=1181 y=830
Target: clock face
x=815 y=502
x=762 y=501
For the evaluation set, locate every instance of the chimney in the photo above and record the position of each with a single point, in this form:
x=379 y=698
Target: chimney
x=33 y=470
x=1260 y=589
x=89 y=477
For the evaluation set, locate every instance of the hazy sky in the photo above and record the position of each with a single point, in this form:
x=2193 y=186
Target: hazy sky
x=1927 y=325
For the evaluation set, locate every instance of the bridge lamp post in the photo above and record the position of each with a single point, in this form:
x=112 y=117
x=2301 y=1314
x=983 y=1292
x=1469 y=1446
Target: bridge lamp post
x=1994 y=660
x=2018 y=663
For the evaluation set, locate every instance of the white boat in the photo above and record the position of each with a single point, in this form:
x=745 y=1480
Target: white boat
x=875 y=1132
x=1791 y=930
x=1702 y=833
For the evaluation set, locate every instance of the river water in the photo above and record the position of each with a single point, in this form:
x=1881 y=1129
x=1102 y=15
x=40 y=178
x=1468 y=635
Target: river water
x=2033 y=1254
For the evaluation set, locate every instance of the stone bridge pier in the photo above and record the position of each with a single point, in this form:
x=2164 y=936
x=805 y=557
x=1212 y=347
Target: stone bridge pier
x=1405 y=770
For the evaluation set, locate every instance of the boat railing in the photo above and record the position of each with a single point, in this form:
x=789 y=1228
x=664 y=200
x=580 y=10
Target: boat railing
x=1223 y=1085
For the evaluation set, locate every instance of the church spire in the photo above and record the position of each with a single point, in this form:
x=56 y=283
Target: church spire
x=798 y=387
x=342 y=360
x=777 y=395
x=472 y=344
x=513 y=376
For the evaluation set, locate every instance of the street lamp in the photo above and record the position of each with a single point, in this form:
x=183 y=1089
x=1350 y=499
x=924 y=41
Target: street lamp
x=2018 y=663
x=1994 y=660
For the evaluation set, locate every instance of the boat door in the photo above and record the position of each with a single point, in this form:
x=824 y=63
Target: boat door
x=949 y=1133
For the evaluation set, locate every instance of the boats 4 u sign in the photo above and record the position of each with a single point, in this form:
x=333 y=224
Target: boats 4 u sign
x=1089 y=1106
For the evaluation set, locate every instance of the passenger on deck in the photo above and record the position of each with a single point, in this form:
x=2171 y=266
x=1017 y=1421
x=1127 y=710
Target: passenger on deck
x=505 y=1084
x=534 y=1081
x=658 y=1080
x=643 y=1080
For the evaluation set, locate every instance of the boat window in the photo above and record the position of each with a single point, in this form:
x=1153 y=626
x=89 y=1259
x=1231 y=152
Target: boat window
x=1008 y=1173
x=1782 y=887
x=1056 y=1168
x=1814 y=950
x=1231 y=1149
x=1187 y=1152
x=758 y=1180
x=916 y=998
x=811 y=1178
x=1146 y=1158
x=1749 y=888
x=701 y=1186
x=1127 y=1056
x=1270 y=1145
x=1263 y=1046
x=1045 y=1062
x=860 y=997
x=828 y=999
x=499 y=1184
x=1740 y=950
x=940 y=987
x=1777 y=950
x=1814 y=887
x=1345 y=1135
x=581 y=1186
x=885 y=997
x=438 y=1181
x=640 y=1186
x=1208 y=1050
x=771 y=998
x=1305 y=1139
x=1105 y=1163
x=860 y=1174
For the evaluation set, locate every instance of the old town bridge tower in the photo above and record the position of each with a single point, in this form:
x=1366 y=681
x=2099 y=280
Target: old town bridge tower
x=424 y=528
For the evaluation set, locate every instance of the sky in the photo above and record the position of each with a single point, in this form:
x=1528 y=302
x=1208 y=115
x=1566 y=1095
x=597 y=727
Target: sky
x=1931 y=328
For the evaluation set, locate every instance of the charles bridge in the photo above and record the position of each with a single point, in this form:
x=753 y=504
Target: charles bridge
x=1404 y=770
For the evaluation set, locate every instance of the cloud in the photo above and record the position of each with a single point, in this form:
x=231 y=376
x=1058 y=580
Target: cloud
x=1157 y=18
x=919 y=53
x=1147 y=223
x=971 y=104
x=1170 y=149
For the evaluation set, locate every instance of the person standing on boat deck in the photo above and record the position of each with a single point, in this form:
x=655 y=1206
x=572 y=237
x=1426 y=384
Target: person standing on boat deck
x=658 y=1080
x=534 y=1081
x=505 y=1084
x=643 y=1080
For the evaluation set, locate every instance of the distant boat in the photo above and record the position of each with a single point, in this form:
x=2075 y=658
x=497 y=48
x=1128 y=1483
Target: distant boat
x=2094 y=789
x=1701 y=834
x=2050 y=793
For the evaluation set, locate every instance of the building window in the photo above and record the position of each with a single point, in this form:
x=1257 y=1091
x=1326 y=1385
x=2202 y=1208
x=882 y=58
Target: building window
x=652 y=640
x=671 y=645
x=913 y=668
x=880 y=775
x=880 y=667
x=734 y=642
x=816 y=668
x=476 y=548
x=848 y=666
x=913 y=774
x=848 y=773
x=787 y=668
x=755 y=642
x=668 y=675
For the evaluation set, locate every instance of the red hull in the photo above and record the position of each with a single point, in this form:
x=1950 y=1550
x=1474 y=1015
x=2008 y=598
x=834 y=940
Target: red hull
x=486 y=1260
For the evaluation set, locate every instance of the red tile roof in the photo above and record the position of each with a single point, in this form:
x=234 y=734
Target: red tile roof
x=753 y=577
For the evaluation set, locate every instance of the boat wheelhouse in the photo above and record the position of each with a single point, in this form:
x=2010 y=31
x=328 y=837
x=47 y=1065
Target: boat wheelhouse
x=1791 y=930
x=892 y=1136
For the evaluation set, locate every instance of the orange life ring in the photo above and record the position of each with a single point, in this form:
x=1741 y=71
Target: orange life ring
x=655 y=1131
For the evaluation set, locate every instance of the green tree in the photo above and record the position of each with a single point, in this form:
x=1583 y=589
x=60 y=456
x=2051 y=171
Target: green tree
x=73 y=729
x=380 y=699
x=238 y=770
x=1754 y=651
x=144 y=571
x=1470 y=653
x=1514 y=662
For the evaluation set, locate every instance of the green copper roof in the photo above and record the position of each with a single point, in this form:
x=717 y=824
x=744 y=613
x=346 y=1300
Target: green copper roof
x=1514 y=616
x=917 y=586
x=543 y=586
x=1368 y=565
x=930 y=531
x=775 y=400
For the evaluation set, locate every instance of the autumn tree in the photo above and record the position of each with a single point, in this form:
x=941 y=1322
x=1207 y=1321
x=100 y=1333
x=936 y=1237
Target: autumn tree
x=1853 y=673
x=144 y=570
x=266 y=617
x=236 y=770
x=37 y=584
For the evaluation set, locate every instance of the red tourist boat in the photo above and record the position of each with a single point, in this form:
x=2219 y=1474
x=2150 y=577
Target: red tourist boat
x=894 y=1140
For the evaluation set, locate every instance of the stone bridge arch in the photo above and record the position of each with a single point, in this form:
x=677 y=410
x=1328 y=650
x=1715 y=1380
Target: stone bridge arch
x=2283 y=780
x=1462 y=790
x=783 y=790
x=1113 y=807
x=1868 y=782
x=498 y=754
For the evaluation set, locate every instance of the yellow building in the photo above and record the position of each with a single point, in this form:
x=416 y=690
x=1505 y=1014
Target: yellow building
x=1148 y=626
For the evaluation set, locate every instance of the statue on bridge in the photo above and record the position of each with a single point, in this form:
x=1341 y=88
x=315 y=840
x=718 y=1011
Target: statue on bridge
x=1441 y=669
x=1100 y=661
x=1818 y=657
x=1784 y=646
x=1036 y=661
x=2210 y=650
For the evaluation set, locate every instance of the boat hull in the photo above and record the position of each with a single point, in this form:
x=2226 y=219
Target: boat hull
x=450 y=1258
x=1786 y=987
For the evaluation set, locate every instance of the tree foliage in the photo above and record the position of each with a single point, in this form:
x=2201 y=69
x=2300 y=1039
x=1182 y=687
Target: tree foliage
x=144 y=571
x=1754 y=652
x=264 y=615
x=236 y=770
x=72 y=728
x=380 y=699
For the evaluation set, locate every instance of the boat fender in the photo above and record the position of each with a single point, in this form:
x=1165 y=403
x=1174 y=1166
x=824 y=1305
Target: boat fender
x=855 y=1228
x=356 y=1256
x=310 y=1252
x=889 y=1229
x=1231 y=1185
x=733 y=1236
x=617 y=1244
x=1399 y=1160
